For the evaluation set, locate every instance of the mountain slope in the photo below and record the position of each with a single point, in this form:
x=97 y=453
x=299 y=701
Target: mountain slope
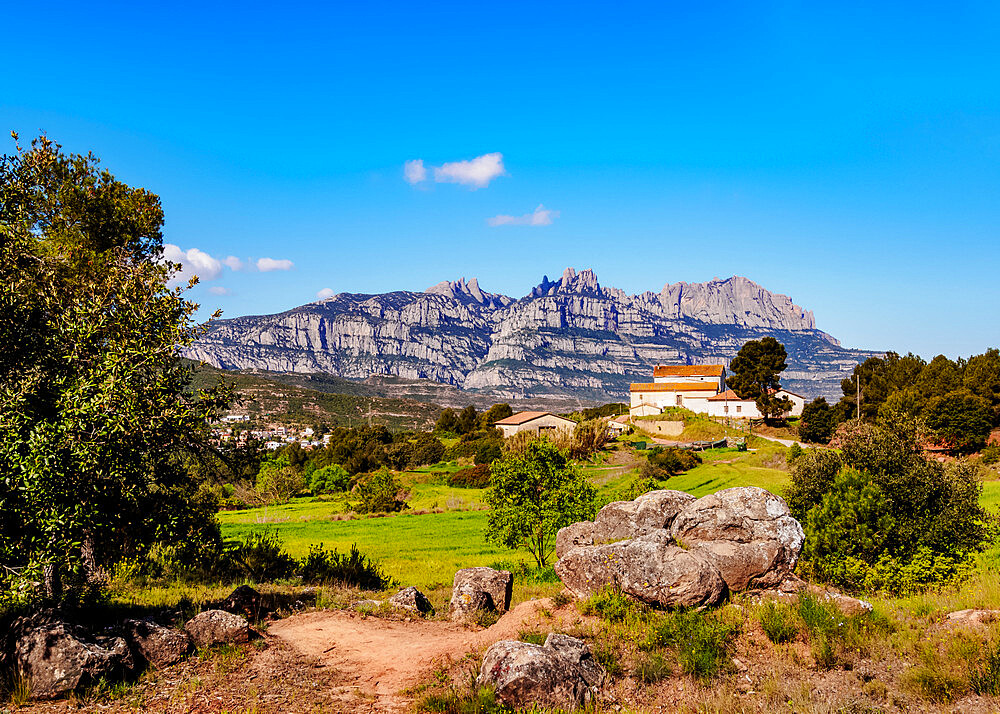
x=571 y=337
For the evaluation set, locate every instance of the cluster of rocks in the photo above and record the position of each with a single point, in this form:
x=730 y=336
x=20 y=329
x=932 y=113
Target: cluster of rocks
x=408 y=599
x=476 y=590
x=58 y=657
x=669 y=549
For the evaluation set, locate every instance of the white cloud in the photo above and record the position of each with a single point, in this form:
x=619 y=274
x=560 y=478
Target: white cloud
x=218 y=290
x=233 y=263
x=266 y=265
x=325 y=293
x=192 y=262
x=414 y=171
x=541 y=216
x=477 y=172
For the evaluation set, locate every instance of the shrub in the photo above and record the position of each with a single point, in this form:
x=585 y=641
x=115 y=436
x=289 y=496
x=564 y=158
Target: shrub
x=472 y=477
x=322 y=567
x=278 y=481
x=379 y=493
x=816 y=425
x=257 y=558
x=794 y=452
x=427 y=449
x=665 y=462
x=778 y=621
x=991 y=454
x=610 y=605
x=329 y=479
x=488 y=451
x=589 y=437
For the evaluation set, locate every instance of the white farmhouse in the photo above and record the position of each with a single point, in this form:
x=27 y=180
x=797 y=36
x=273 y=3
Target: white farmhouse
x=538 y=423
x=687 y=386
x=728 y=404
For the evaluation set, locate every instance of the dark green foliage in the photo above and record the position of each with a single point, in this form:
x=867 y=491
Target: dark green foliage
x=755 y=375
x=427 y=449
x=97 y=417
x=960 y=418
x=257 y=558
x=794 y=452
x=447 y=422
x=329 y=479
x=488 y=451
x=534 y=494
x=379 y=492
x=879 y=376
x=891 y=519
x=278 y=480
x=817 y=422
x=778 y=621
x=494 y=414
x=991 y=454
x=468 y=420
x=663 y=463
x=325 y=567
x=605 y=410
x=473 y=477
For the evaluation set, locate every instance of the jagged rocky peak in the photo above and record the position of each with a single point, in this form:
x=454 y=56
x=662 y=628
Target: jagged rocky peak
x=459 y=289
x=735 y=301
x=582 y=283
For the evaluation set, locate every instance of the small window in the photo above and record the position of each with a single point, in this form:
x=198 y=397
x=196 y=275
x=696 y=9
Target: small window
x=738 y=409
x=725 y=409
x=680 y=400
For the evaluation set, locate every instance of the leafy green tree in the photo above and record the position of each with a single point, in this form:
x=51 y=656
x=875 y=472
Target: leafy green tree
x=756 y=371
x=329 y=479
x=960 y=418
x=534 y=494
x=97 y=416
x=494 y=414
x=817 y=422
x=468 y=418
x=278 y=480
x=380 y=492
x=939 y=377
x=879 y=377
x=982 y=377
x=447 y=422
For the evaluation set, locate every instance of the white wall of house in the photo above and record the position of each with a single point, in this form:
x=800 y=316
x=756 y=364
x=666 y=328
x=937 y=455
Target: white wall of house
x=691 y=379
x=747 y=408
x=545 y=424
x=646 y=403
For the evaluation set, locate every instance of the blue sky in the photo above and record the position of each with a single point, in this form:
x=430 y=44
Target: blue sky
x=845 y=155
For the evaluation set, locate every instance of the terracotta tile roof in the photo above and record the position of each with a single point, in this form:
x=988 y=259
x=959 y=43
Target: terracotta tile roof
x=728 y=396
x=524 y=417
x=688 y=370
x=673 y=387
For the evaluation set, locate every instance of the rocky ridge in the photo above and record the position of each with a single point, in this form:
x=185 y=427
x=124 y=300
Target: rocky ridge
x=570 y=337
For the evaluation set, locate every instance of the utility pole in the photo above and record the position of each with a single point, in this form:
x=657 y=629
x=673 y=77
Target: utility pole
x=857 y=379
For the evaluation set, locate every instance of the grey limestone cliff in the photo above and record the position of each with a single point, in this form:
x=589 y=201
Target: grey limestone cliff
x=570 y=337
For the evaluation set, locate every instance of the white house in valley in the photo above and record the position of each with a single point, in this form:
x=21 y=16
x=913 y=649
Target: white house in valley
x=538 y=423
x=728 y=404
x=687 y=386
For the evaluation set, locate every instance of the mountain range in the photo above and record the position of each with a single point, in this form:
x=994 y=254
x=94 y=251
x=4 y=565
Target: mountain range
x=570 y=338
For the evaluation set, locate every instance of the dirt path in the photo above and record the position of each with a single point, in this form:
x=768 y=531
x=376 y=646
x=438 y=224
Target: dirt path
x=384 y=657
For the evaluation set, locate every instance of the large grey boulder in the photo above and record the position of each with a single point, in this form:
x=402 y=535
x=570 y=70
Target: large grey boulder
x=217 y=627
x=573 y=536
x=160 y=646
x=550 y=675
x=411 y=599
x=649 y=512
x=58 y=658
x=747 y=533
x=477 y=589
x=650 y=569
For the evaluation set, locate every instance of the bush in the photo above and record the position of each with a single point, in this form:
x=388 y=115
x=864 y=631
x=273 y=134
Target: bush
x=665 y=462
x=794 y=452
x=991 y=454
x=329 y=479
x=379 y=493
x=984 y=671
x=324 y=567
x=278 y=481
x=610 y=605
x=257 y=558
x=472 y=477
x=817 y=422
x=488 y=451
x=778 y=621
x=427 y=449
x=589 y=437
x=883 y=516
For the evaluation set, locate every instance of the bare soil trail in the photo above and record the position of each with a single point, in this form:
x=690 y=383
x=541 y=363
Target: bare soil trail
x=383 y=658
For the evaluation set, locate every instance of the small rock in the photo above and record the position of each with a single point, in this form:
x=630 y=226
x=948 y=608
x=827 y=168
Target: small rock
x=245 y=601
x=576 y=651
x=471 y=584
x=975 y=617
x=216 y=627
x=411 y=599
x=522 y=673
x=158 y=645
